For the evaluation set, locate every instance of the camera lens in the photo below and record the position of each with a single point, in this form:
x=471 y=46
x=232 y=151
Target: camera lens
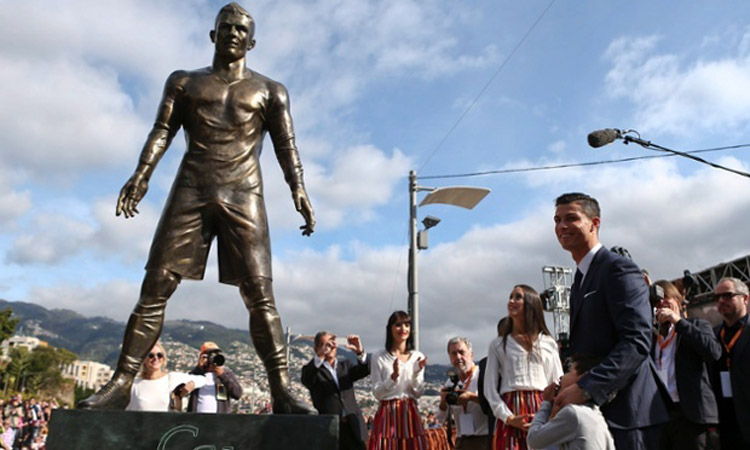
x=216 y=359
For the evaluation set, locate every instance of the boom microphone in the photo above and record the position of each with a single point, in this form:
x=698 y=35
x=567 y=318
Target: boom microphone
x=606 y=136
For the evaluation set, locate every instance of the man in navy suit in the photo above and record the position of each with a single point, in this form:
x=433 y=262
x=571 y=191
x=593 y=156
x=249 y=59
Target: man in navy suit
x=611 y=318
x=331 y=386
x=685 y=352
x=734 y=366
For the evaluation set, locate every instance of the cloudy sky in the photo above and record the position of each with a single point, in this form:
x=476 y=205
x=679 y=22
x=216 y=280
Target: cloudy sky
x=378 y=88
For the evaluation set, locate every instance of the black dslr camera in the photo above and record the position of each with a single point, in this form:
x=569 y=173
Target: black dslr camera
x=452 y=397
x=655 y=295
x=215 y=358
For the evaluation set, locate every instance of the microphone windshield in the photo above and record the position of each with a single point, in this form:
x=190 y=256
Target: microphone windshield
x=606 y=136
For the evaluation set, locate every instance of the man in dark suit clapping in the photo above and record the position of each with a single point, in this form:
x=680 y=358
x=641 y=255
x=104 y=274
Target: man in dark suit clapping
x=611 y=318
x=331 y=386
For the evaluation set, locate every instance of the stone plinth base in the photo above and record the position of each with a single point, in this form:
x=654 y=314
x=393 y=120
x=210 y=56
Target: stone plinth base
x=127 y=430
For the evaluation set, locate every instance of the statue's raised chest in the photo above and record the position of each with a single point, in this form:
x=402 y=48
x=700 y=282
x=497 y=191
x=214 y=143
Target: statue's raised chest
x=217 y=103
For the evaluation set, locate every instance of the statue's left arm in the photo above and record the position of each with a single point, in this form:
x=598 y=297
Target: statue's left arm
x=281 y=129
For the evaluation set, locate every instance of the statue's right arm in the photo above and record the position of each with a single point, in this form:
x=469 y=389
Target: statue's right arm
x=166 y=125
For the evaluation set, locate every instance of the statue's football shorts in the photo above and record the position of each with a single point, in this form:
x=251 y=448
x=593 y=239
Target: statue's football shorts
x=192 y=218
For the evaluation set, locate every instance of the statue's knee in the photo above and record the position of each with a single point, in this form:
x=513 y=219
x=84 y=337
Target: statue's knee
x=257 y=293
x=158 y=286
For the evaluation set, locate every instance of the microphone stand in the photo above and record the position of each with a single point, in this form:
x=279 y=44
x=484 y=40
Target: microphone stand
x=627 y=138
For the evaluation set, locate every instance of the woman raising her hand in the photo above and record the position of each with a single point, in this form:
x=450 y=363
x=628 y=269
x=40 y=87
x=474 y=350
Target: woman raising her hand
x=397 y=374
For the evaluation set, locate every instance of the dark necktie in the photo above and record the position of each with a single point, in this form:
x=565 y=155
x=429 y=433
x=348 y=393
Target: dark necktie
x=574 y=292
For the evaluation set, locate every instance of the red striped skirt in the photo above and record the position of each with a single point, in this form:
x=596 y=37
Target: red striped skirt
x=397 y=426
x=519 y=402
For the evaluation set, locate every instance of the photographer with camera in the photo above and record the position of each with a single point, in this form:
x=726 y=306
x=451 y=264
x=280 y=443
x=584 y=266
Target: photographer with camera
x=684 y=350
x=460 y=394
x=221 y=384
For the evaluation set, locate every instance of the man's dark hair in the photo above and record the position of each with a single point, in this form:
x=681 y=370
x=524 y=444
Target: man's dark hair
x=583 y=362
x=589 y=205
x=319 y=337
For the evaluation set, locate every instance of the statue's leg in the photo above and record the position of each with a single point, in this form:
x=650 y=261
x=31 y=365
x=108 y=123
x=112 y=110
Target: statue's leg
x=268 y=339
x=141 y=333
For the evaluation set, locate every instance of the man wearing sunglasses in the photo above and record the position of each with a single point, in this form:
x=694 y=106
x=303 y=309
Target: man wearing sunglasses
x=733 y=391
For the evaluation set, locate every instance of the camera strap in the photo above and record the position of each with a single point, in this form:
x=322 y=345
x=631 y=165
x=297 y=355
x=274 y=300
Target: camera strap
x=664 y=343
x=728 y=347
x=467 y=379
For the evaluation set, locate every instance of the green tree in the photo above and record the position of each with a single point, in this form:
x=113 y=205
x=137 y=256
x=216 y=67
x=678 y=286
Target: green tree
x=7 y=324
x=20 y=360
x=44 y=374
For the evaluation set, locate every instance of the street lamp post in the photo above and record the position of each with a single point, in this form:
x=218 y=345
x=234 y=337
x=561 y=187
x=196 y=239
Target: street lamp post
x=464 y=196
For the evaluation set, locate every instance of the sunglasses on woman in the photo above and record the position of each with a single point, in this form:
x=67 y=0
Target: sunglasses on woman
x=156 y=355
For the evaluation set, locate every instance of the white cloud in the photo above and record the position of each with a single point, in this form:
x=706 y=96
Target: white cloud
x=708 y=95
x=129 y=239
x=331 y=52
x=138 y=38
x=55 y=237
x=62 y=116
x=73 y=78
x=355 y=182
x=14 y=203
x=114 y=299
x=557 y=147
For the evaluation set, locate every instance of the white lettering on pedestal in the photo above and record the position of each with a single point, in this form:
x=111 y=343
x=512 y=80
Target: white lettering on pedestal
x=186 y=429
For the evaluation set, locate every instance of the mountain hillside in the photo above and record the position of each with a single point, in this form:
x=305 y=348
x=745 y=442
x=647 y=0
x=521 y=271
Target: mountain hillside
x=99 y=338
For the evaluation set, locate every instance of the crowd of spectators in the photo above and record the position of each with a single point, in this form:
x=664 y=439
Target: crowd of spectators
x=25 y=423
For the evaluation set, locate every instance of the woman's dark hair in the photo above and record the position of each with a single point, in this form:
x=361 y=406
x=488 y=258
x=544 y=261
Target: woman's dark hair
x=671 y=291
x=398 y=316
x=501 y=324
x=533 y=315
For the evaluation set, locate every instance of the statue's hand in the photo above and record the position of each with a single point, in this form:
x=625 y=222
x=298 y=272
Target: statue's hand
x=302 y=204
x=131 y=194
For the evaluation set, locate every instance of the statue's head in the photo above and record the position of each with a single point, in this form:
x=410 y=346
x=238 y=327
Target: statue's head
x=233 y=31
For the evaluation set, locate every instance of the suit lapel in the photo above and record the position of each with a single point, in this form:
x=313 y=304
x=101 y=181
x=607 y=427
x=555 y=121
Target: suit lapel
x=592 y=272
x=576 y=294
x=327 y=374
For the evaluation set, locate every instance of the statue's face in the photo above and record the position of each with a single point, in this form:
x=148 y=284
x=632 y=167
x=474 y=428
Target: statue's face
x=232 y=36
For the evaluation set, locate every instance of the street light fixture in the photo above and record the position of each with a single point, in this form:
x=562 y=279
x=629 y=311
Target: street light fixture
x=464 y=196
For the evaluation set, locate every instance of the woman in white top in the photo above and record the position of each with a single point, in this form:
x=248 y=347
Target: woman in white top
x=152 y=388
x=525 y=359
x=397 y=375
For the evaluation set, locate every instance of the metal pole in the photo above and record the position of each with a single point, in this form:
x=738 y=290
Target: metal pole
x=413 y=282
x=288 y=342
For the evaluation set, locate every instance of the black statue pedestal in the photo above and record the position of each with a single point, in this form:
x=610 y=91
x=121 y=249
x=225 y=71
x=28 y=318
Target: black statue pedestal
x=128 y=430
